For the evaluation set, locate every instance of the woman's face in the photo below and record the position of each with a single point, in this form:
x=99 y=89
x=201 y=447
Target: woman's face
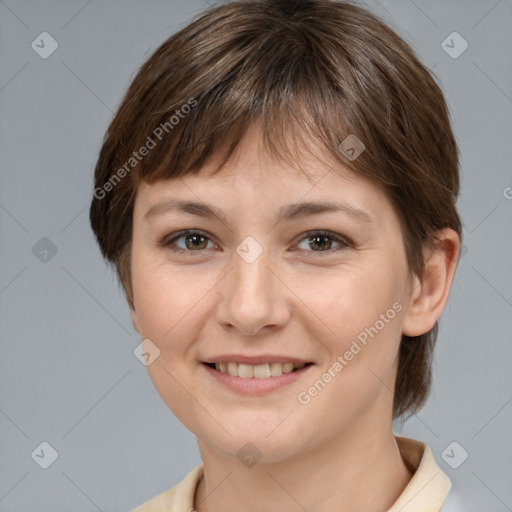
x=278 y=278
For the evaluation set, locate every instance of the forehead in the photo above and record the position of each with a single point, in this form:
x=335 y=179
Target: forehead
x=257 y=184
x=254 y=187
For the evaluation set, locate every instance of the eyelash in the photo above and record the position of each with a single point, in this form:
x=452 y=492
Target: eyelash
x=168 y=242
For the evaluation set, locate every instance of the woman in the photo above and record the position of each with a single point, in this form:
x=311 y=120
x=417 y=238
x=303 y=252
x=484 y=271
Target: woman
x=277 y=194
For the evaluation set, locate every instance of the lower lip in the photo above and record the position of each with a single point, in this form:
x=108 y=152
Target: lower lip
x=253 y=386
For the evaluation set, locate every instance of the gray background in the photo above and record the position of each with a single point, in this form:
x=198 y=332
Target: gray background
x=68 y=375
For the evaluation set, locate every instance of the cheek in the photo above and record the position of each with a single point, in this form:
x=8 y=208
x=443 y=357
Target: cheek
x=364 y=317
x=361 y=309
x=168 y=304
x=172 y=305
x=349 y=300
x=164 y=296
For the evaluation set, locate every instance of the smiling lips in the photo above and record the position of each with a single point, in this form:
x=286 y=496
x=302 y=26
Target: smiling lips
x=256 y=375
x=258 y=371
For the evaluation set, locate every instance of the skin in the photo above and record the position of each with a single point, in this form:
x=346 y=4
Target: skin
x=338 y=452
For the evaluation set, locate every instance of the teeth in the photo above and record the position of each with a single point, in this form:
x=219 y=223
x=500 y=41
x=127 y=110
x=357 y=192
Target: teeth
x=259 y=371
x=245 y=371
x=232 y=369
x=276 y=369
x=262 y=371
x=287 y=367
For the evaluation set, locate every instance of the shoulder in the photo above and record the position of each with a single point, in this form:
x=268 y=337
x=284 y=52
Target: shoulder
x=179 y=498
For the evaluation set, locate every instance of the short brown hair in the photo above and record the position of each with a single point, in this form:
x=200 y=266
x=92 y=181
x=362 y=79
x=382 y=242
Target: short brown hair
x=306 y=71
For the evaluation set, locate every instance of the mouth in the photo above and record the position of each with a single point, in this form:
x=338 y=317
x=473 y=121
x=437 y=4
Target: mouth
x=258 y=371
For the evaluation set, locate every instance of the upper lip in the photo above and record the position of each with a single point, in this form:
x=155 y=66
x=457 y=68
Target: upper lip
x=254 y=360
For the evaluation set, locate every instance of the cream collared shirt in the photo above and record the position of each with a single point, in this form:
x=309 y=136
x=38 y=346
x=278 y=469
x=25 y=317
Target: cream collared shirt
x=426 y=491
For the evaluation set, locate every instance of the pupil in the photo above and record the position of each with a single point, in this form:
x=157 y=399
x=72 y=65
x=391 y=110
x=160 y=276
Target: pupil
x=320 y=237
x=194 y=239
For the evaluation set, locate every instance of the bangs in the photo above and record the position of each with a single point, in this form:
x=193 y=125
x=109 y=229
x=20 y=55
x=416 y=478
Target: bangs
x=294 y=102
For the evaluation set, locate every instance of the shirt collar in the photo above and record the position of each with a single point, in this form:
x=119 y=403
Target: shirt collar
x=429 y=485
x=425 y=492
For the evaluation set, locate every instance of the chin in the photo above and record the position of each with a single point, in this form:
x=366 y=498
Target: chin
x=258 y=442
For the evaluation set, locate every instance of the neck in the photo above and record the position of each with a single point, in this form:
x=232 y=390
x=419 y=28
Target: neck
x=355 y=471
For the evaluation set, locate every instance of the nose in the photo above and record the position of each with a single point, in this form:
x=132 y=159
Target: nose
x=253 y=298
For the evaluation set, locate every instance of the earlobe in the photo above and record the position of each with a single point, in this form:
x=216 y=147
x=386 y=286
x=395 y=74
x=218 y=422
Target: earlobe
x=135 y=319
x=429 y=294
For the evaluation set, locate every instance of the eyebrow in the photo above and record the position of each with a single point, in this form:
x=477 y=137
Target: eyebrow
x=287 y=212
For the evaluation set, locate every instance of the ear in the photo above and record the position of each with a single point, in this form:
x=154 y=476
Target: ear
x=135 y=319
x=429 y=293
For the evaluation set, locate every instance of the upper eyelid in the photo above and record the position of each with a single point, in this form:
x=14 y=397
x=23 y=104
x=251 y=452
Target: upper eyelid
x=180 y=234
x=329 y=234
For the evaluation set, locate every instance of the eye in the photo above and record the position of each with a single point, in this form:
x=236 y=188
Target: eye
x=189 y=241
x=322 y=241
x=192 y=241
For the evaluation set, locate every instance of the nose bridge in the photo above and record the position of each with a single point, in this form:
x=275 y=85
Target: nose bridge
x=251 y=298
x=251 y=274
